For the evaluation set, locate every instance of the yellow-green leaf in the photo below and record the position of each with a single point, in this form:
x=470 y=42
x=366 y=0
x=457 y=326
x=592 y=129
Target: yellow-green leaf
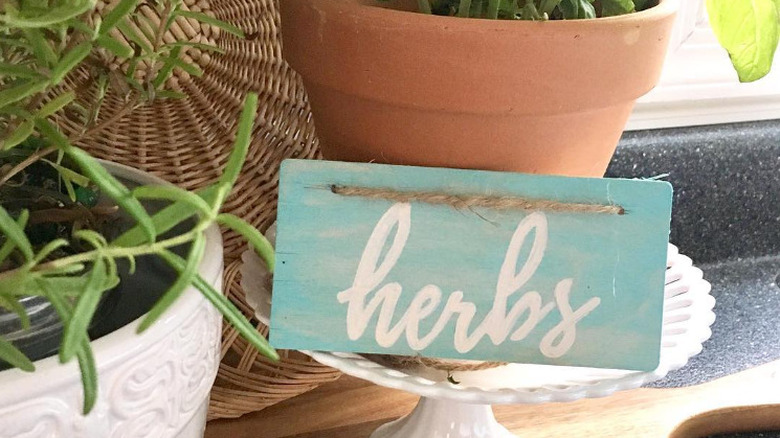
x=69 y=61
x=749 y=30
x=56 y=104
x=51 y=16
x=15 y=233
x=16 y=71
x=20 y=134
x=68 y=174
x=41 y=47
x=14 y=357
x=114 y=46
x=22 y=91
x=119 y=12
x=203 y=18
x=611 y=8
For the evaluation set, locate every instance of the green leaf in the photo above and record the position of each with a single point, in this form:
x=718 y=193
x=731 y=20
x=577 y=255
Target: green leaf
x=12 y=303
x=41 y=46
x=114 y=46
x=190 y=68
x=92 y=237
x=14 y=42
x=424 y=6
x=464 y=8
x=133 y=36
x=749 y=31
x=641 y=5
x=82 y=27
x=86 y=305
x=70 y=189
x=115 y=190
x=75 y=268
x=14 y=357
x=17 y=71
x=69 y=61
x=493 y=6
x=51 y=17
x=167 y=67
x=547 y=6
x=147 y=31
x=227 y=27
x=577 y=9
x=185 y=278
x=53 y=134
x=69 y=174
x=201 y=46
x=241 y=146
x=56 y=104
x=165 y=219
x=175 y=194
x=68 y=285
x=15 y=233
x=610 y=8
x=229 y=311
x=530 y=12
x=22 y=91
x=89 y=378
x=50 y=248
x=120 y=11
x=20 y=134
x=255 y=238
x=9 y=245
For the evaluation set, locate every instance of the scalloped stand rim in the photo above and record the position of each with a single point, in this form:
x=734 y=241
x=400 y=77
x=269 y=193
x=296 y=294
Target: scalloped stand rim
x=452 y=411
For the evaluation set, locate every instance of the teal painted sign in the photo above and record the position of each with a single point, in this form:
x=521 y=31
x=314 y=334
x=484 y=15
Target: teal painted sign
x=470 y=264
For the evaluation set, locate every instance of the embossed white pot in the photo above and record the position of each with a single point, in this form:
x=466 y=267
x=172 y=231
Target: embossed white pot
x=152 y=385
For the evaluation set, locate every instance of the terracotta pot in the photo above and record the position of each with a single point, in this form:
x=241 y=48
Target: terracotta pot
x=394 y=86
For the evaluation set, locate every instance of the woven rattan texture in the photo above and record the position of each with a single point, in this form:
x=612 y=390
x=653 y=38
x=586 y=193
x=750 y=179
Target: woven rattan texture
x=187 y=142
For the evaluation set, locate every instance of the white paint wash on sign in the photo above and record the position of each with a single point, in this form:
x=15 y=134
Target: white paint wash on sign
x=368 y=295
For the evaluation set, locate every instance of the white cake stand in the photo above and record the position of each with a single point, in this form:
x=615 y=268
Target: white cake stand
x=463 y=410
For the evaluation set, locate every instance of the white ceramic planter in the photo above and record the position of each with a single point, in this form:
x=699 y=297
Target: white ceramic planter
x=153 y=385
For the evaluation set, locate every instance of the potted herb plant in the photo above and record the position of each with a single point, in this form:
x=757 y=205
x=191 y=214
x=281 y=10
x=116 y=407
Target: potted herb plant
x=109 y=278
x=539 y=86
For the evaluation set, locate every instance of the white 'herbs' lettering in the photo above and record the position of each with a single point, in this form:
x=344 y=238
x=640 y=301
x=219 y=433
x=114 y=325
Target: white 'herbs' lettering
x=368 y=295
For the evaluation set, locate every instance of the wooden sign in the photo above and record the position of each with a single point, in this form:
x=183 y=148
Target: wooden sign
x=470 y=264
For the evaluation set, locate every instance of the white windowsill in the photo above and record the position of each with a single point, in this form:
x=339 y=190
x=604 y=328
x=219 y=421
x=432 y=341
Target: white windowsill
x=699 y=85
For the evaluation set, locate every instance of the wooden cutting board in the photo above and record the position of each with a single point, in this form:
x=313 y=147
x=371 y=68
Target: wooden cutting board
x=352 y=408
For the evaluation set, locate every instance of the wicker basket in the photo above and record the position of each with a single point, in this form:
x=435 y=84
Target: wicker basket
x=187 y=142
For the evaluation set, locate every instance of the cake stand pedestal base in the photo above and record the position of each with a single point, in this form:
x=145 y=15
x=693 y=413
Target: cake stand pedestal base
x=434 y=418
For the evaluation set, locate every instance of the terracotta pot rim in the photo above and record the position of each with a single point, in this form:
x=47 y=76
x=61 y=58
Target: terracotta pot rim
x=379 y=15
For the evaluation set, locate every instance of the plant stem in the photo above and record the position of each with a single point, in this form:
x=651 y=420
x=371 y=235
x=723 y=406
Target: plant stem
x=425 y=6
x=86 y=134
x=158 y=40
x=464 y=9
x=119 y=252
x=121 y=112
x=40 y=153
x=492 y=12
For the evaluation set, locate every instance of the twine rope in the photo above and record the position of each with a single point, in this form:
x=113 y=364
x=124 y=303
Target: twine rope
x=475 y=201
x=463 y=202
x=448 y=365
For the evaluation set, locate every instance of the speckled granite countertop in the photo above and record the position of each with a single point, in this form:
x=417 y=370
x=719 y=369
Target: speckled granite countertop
x=727 y=218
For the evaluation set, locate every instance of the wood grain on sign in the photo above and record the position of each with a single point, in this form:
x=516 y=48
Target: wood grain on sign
x=470 y=264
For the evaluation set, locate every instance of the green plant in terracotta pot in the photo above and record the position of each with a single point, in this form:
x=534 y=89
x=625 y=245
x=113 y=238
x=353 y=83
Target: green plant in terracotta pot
x=69 y=223
x=542 y=86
